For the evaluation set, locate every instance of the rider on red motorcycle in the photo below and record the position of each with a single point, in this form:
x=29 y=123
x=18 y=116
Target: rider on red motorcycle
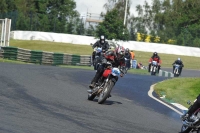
x=116 y=57
x=155 y=57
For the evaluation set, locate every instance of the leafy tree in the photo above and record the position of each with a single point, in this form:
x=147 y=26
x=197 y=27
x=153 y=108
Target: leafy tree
x=3 y=6
x=91 y=30
x=112 y=27
x=80 y=27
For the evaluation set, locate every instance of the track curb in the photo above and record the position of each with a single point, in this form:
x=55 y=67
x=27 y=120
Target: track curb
x=174 y=106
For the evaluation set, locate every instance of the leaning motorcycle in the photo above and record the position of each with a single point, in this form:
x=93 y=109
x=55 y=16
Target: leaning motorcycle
x=103 y=88
x=192 y=123
x=176 y=70
x=154 y=66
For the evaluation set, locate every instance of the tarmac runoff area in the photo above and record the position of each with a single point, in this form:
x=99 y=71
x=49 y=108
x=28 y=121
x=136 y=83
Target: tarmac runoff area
x=175 y=106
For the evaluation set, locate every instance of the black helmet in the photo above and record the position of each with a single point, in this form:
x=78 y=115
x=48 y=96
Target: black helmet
x=155 y=54
x=102 y=39
x=127 y=50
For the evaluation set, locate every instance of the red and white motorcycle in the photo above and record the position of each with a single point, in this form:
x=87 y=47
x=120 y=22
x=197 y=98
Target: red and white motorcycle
x=103 y=88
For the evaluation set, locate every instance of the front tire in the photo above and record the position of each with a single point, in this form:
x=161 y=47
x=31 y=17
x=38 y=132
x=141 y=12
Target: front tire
x=106 y=92
x=185 y=129
x=152 y=71
x=175 y=71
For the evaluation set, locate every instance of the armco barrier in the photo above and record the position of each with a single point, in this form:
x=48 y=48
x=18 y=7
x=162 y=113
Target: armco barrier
x=42 y=57
x=165 y=74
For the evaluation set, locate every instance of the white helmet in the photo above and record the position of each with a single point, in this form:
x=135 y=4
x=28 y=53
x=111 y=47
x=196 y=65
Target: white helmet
x=179 y=59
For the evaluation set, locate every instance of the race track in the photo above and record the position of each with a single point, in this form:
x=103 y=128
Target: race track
x=48 y=99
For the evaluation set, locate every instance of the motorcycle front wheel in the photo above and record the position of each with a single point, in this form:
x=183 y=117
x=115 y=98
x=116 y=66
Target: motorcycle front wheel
x=106 y=92
x=185 y=129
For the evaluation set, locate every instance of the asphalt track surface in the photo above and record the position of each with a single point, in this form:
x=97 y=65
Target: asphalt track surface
x=48 y=99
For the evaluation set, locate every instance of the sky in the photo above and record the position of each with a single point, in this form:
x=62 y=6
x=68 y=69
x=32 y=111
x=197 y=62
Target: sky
x=96 y=6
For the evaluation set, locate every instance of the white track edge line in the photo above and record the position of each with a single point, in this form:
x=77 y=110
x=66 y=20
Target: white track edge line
x=150 y=95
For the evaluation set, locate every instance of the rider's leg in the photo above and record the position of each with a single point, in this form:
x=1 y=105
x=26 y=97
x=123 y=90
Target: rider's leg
x=149 y=67
x=96 y=77
x=158 y=68
x=93 y=55
x=180 y=70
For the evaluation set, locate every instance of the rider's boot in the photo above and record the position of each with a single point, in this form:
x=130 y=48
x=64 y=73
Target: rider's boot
x=91 y=86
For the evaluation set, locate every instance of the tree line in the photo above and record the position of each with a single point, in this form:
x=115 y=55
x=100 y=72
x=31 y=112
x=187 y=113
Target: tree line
x=172 y=21
x=43 y=15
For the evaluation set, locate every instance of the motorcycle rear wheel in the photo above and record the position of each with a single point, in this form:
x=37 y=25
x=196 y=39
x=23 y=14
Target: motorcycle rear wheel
x=106 y=92
x=185 y=129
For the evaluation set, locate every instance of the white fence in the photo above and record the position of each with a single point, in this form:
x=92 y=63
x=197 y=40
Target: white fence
x=5 y=25
x=85 y=40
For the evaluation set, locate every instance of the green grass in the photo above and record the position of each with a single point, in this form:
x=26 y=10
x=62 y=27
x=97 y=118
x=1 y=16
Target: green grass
x=167 y=59
x=53 y=47
x=179 y=90
x=11 y=61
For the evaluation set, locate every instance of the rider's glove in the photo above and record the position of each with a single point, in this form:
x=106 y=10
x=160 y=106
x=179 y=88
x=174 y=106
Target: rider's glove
x=104 y=61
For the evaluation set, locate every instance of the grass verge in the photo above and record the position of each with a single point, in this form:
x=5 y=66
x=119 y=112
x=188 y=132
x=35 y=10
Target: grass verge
x=179 y=90
x=167 y=59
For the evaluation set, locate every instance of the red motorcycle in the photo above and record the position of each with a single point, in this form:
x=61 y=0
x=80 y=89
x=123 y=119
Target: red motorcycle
x=103 y=88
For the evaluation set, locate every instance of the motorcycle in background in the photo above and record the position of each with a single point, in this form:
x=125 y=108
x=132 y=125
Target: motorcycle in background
x=97 y=57
x=192 y=123
x=154 y=65
x=176 y=71
x=103 y=88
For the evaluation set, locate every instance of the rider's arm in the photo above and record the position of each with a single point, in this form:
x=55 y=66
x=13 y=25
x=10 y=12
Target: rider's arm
x=150 y=60
x=160 y=61
x=107 y=46
x=182 y=64
x=96 y=43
